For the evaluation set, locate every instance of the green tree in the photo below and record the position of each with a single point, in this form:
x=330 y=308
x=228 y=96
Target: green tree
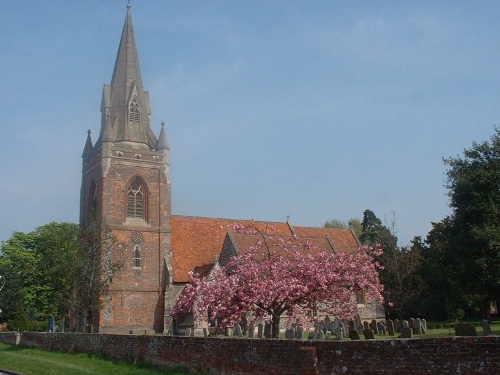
x=469 y=239
x=400 y=277
x=353 y=224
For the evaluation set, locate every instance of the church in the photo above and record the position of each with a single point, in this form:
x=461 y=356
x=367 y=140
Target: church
x=126 y=188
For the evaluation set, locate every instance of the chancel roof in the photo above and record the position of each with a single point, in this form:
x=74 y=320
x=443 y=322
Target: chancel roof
x=197 y=241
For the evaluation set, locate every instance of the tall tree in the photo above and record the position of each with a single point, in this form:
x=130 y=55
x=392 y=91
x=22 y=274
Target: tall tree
x=400 y=277
x=473 y=228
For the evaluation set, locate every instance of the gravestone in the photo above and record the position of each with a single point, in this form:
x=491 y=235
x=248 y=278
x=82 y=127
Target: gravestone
x=390 y=327
x=486 y=327
x=251 y=330
x=237 y=330
x=374 y=326
x=368 y=334
x=339 y=333
x=406 y=333
x=351 y=325
x=381 y=328
x=299 y=332
x=327 y=335
x=366 y=325
x=411 y=323
x=406 y=324
x=424 y=325
x=353 y=334
x=318 y=335
x=327 y=322
x=268 y=331
x=288 y=332
x=229 y=331
x=397 y=325
x=417 y=326
x=465 y=329
x=260 y=330
x=205 y=332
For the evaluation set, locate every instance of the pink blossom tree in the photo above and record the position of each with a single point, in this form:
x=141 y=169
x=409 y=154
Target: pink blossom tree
x=278 y=276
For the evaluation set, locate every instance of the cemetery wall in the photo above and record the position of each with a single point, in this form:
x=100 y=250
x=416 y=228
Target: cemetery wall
x=450 y=355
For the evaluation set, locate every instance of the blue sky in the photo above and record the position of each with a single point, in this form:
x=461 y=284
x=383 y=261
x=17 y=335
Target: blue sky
x=313 y=109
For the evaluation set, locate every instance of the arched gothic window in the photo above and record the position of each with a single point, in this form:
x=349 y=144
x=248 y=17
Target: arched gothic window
x=137 y=199
x=134 y=111
x=137 y=256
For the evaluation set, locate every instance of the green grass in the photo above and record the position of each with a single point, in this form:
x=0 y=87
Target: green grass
x=42 y=362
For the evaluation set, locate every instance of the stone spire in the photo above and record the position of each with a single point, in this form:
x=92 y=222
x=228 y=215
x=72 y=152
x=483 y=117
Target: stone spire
x=87 y=150
x=125 y=105
x=162 y=139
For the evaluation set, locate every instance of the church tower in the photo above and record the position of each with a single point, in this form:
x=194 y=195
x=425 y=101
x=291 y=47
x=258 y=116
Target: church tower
x=126 y=191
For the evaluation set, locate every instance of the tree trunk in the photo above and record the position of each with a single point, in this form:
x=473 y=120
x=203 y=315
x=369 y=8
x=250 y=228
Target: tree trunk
x=275 y=325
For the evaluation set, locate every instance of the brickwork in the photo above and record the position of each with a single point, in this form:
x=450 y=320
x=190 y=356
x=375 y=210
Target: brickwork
x=447 y=355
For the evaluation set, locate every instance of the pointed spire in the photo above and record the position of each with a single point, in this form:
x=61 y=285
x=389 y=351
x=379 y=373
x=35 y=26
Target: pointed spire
x=87 y=150
x=162 y=139
x=127 y=61
x=126 y=108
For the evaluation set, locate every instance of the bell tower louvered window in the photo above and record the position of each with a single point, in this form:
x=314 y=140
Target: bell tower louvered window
x=137 y=199
x=134 y=111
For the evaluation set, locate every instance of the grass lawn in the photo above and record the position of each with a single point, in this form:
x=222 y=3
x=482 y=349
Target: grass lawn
x=43 y=362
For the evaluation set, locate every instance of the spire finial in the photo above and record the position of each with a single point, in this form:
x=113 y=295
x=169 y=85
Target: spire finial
x=88 y=132
x=128 y=4
x=163 y=123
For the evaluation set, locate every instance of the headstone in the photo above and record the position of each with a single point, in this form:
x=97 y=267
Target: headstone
x=416 y=326
x=327 y=322
x=368 y=334
x=366 y=325
x=299 y=332
x=486 y=327
x=406 y=324
x=336 y=324
x=351 y=325
x=237 y=330
x=411 y=323
x=342 y=329
x=374 y=326
x=288 y=331
x=268 y=331
x=229 y=331
x=424 y=325
x=318 y=334
x=465 y=329
x=205 y=332
x=397 y=325
x=339 y=333
x=406 y=333
x=251 y=330
x=260 y=330
x=353 y=334
x=390 y=327
x=381 y=328
x=327 y=335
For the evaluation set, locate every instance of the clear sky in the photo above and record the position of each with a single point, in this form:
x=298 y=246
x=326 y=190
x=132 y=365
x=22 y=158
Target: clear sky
x=313 y=109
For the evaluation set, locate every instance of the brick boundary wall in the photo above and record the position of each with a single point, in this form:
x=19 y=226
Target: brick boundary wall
x=444 y=355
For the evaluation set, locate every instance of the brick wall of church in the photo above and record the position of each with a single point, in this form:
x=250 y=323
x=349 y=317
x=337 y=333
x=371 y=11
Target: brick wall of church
x=445 y=355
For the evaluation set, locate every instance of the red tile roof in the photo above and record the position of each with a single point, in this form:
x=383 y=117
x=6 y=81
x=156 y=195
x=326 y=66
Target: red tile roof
x=196 y=240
